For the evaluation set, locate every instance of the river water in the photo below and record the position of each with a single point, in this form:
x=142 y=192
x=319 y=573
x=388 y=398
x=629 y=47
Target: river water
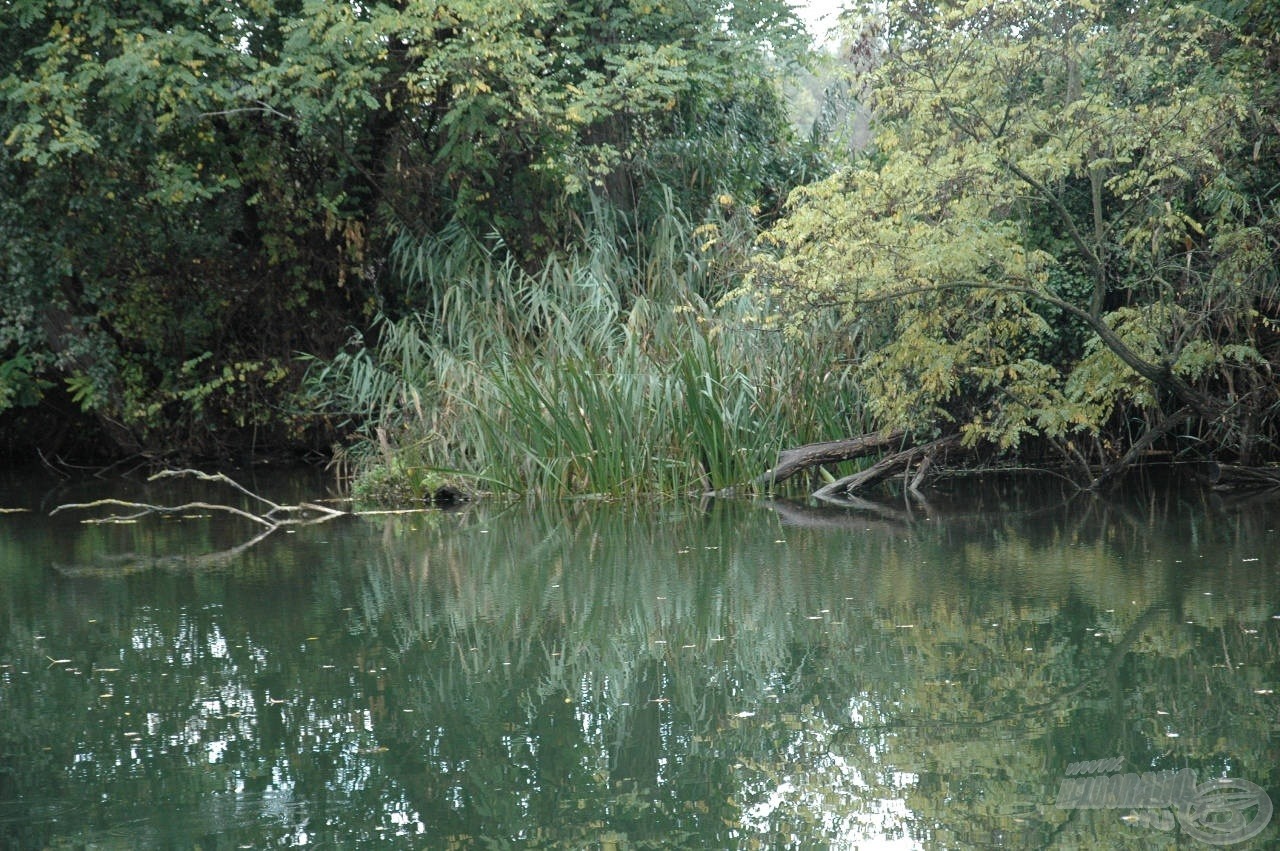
x=1008 y=666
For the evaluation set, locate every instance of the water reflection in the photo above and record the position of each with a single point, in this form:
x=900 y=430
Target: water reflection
x=731 y=675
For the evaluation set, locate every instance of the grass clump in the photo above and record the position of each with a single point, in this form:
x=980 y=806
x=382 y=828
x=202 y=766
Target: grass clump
x=397 y=484
x=603 y=372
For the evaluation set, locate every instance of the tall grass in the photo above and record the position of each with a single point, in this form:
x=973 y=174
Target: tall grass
x=604 y=372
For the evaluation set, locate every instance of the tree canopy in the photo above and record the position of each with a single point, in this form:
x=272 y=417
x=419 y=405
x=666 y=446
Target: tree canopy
x=1064 y=228
x=192 y=194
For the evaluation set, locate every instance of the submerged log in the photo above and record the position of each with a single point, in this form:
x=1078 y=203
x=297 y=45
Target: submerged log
x=801 y=458
x=1233 y=477
x=888 y=466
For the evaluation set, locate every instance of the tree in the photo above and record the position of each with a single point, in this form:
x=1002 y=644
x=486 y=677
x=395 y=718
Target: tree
x=1062 y=230
x=193 y=194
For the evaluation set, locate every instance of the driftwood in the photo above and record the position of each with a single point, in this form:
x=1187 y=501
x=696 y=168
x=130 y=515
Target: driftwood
x=792 y=461
x=888 y=466
x=276 y=516
x=801 y=458
x=273 y=518
x=1233 y=477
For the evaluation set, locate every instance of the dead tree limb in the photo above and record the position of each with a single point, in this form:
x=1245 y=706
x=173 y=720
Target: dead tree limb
x=1140 y=445
x=145 y=508
x=792 y=461
x=212 y=477
x=277 y=516
x=1231 y=476
x=884 y=468
x=921 y=472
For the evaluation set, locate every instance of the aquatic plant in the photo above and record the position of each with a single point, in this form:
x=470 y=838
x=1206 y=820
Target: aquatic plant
x=608 y=371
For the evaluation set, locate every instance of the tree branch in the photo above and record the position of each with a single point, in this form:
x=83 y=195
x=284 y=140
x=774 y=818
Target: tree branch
x=1162 y=428
x=882 y=469
x=1158 y=374
x=792 y=461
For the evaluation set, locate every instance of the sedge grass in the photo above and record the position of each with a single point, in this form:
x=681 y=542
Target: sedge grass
x=603 y=372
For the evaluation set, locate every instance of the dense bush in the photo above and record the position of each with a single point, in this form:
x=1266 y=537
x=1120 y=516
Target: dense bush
x=192 y=194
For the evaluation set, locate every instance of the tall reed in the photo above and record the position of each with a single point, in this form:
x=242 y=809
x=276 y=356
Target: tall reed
x=606 y=371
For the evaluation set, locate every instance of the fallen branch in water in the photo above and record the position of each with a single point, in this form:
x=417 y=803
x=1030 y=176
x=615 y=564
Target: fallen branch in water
x=890 y=465
x=277 y=516
x=792 y=461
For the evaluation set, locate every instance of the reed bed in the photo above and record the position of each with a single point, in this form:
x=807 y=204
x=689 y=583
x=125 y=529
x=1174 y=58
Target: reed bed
x=609 y=371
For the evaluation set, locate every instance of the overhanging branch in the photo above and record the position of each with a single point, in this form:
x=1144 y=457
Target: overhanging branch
x=1158 y=374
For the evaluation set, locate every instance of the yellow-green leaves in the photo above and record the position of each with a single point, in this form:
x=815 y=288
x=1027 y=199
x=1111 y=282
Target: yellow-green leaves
x=1021 y=147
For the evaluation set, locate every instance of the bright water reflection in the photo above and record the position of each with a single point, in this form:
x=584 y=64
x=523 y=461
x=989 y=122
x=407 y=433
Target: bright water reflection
x=732 y=675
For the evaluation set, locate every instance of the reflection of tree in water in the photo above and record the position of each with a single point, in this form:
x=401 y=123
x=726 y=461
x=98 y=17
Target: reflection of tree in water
x=576 y=712
x=984 y=667
x=668 y=677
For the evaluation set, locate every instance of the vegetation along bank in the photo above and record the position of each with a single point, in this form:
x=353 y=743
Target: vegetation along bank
x=624 y=247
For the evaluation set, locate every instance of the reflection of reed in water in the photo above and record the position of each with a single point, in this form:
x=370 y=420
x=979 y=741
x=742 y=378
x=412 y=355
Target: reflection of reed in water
x=807 y=642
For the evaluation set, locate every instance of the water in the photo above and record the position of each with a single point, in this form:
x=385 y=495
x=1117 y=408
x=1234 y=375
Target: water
x=676 y=675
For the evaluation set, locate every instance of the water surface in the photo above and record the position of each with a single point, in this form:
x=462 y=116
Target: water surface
x=733 y=674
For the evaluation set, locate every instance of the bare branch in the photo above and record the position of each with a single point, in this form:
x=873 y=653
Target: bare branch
x=882 y=469
x=277 y=516
x=145 y=508
x=213 y=477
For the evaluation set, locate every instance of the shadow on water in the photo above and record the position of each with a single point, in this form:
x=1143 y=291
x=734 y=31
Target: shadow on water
x=728 y=674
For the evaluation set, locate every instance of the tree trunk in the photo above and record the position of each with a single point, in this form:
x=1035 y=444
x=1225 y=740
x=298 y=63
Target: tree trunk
x=884 y=468
x=792 y=461
x=1140 y=445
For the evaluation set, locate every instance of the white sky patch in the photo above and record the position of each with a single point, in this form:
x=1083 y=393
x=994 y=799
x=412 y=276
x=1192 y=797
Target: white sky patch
x=819 y=16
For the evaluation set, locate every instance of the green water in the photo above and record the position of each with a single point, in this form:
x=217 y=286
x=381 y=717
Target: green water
x=677 y=675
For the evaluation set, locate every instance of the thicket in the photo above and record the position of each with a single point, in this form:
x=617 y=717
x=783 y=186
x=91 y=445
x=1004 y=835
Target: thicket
x=517 y=242
x=1061 y=238
x=191 y=195
x=603 y=372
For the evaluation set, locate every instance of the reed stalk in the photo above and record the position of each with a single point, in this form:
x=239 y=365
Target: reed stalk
x=605 y=372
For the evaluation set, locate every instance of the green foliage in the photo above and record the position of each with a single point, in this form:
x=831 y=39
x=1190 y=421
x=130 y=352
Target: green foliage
x=233 y=179
x=18 y=385
x=569 y=381
x=1055 y=196
x=395 y=483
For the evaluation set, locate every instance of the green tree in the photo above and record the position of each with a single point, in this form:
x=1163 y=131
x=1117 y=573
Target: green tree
x=1062 y=229
x=192 y=194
